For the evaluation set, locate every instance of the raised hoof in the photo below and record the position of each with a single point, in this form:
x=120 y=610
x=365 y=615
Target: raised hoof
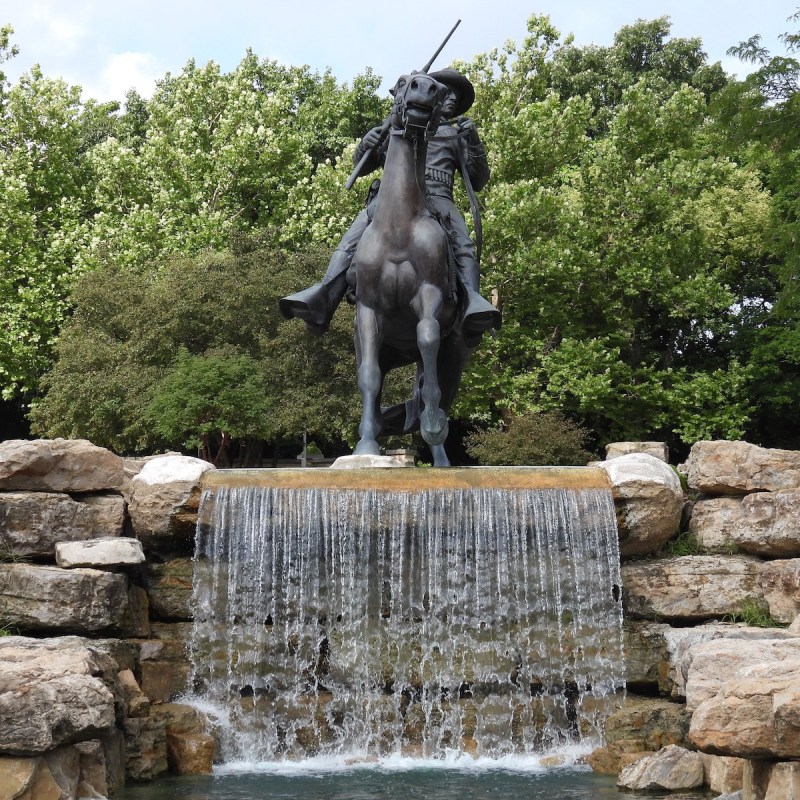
x=433 y=426
x=367 y=447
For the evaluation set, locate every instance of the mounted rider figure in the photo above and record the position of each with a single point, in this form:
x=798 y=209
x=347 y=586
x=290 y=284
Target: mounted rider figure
x=455 y=147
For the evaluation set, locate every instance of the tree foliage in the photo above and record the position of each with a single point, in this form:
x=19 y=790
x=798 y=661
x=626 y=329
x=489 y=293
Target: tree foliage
x=640 y=227
x=210 y=155
x=193 y=355
x=622 y=243
x=759 y=119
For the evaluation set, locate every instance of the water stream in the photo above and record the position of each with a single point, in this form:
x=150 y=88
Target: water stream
x=369 y=624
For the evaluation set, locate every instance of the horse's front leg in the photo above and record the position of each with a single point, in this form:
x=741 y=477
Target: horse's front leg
x=433 y=420
x=370 y=379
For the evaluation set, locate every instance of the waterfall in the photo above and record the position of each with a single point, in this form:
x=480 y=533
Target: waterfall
x=368 y=622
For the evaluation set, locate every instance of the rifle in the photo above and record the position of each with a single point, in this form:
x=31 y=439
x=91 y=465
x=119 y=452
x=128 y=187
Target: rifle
x=385 y=127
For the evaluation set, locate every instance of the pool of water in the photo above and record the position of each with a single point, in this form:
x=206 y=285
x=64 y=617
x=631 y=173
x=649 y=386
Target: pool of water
x=385 y=781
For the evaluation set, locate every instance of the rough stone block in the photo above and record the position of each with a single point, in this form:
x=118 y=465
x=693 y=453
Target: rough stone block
x=671 y=769
x=165 y=497
x=145 y=748
x=766 y=780
x=691 y=588
x=723 y=774
x=742 y=642
x=99 y=553
x=754 y=715
x=52 y=692
x=658 y=450
x=165 y=668
x=190 y=753
x=765 y=524
x=646 y=656
x=709 y=665
x=93 y=781
x=740 y=468
x=32 y=522
x=43 y=598
x=649 y=501
x=780 y=582
x=59 y=465
x=169 y=588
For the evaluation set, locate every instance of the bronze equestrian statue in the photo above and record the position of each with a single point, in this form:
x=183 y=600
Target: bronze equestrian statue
x=408 y=260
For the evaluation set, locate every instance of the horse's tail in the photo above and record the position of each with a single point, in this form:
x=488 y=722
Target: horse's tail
x=404 y=417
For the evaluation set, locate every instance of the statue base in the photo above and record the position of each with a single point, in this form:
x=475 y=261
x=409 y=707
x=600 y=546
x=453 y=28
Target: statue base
x=367 y=462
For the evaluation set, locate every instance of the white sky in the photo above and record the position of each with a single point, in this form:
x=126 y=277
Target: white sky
x=109 y=46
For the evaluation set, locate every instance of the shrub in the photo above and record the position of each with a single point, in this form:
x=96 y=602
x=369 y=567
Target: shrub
x=532 y=440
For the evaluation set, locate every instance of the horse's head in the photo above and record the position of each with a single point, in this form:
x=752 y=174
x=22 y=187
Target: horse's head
x=417 y=105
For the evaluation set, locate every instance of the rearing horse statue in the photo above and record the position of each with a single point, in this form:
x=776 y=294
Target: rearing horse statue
x=407 y=308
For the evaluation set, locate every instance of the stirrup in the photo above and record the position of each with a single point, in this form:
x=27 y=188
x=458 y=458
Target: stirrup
x=480 y=315
x=309 y=305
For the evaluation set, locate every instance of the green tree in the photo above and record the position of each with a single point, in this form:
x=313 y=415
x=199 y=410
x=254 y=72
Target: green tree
x=194 y=352
x=210 y=155
x=758 y=120
x=45 y=134
x=620 y=239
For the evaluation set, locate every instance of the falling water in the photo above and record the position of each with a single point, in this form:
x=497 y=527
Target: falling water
x=370 y=623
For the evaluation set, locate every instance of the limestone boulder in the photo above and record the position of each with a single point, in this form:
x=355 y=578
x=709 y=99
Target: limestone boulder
x=100 y=553
x=709 y=665
x=671 y=769
x=190 y=750
x=765 y=780
x=723 y=774
x=658 y=450
x=780 y=582
x=646 y=656
x=164 y=661
x=165 y=497
x=136 y=701
x=657 y=655
x=190 y=753
x=691 y=588
x=32 y=522
x=51 y=599
x=94 y=778
x=649 y=501
x=169 y=588
x=53 y=776
x=755 y=714
x=59 y=465
x=766 y=524
x=643 y=725
x=145 y=747
x=740 y=468
x=680 y=645
x=52 y=692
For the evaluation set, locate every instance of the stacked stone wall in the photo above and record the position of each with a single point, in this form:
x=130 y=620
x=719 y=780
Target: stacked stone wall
x=711 y=634
x=95 y=583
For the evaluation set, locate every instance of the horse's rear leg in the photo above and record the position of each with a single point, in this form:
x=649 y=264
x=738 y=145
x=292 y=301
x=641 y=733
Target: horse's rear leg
x=433 y=420
x=370 y=379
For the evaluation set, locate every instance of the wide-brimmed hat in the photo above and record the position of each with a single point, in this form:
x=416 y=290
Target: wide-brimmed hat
x=455 y=80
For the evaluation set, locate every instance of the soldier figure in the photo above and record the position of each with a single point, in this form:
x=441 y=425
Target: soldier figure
x=455 y=147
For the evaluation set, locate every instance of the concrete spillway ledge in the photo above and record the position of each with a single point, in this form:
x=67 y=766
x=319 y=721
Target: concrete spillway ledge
x=412 y=479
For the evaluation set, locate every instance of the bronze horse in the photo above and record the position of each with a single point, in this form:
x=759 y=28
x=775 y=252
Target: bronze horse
x=407 y=299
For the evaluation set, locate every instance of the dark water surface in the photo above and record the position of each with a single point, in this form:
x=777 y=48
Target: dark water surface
x=379 y=784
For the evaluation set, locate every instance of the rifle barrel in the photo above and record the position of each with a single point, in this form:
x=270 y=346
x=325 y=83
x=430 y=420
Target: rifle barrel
x=441 y=47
